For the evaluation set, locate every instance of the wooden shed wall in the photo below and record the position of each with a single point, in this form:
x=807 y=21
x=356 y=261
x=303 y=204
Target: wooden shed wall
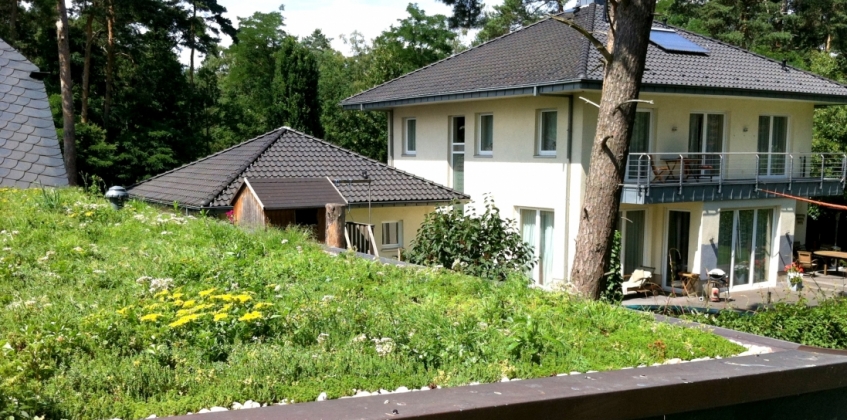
x=247 y=211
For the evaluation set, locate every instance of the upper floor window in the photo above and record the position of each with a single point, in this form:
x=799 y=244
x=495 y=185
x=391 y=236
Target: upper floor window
x=485 y=134
x=639 y=144
x=705 y=133
x=410 y=146
x=547 y=132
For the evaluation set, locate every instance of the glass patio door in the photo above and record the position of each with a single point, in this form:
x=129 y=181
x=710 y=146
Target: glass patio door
x=744 y=245
x=772 y=145
x=705 y=135
x=537 y=231
x=633 y=240
x=638 y=168
x=679 y=226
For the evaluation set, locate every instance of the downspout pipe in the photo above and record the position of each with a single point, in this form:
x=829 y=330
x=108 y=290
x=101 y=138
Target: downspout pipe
x=568 y=188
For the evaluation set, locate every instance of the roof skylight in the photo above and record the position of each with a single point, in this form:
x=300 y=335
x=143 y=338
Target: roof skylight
x=669 y=40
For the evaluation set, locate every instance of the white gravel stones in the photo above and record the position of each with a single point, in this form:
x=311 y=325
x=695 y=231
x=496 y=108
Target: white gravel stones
x=401 y=390
x=217 y=409
x=321 y=397
x=753 y=349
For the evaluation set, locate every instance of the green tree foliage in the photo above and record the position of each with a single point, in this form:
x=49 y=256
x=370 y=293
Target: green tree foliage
x=295 y=89
x=484 y=245
x=512 y=15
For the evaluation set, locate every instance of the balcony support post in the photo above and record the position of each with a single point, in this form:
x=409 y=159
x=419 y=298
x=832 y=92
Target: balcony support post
x=758 y=167
x=843 y=170
x=720 y=173
x=823 y=169
x=790 y=170
x=681 y=171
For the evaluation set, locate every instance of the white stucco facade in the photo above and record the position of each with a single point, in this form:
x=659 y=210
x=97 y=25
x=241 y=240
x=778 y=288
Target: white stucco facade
x=518 y=177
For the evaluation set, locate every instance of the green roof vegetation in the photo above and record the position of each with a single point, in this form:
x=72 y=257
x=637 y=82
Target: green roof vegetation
x=141 y=311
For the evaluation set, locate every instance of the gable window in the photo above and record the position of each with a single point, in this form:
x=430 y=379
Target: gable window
x=640 y=144
x=392 y=234
x=485 y=134
x=773 y=142
x=547 y=133
x=410 y=147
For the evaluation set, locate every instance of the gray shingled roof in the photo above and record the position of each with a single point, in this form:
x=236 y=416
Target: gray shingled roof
x=294 y=193
x=286 y=153
x=29 y=149
x=550 y=56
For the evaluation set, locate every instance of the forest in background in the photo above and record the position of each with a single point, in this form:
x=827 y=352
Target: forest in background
x=139 y=111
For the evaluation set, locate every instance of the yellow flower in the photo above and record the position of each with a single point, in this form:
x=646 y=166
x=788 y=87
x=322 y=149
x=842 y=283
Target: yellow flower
x=243 y=298
x=151 y=307
x=150 y=317
x=123 y=311
x=182 y=312
x=177 y=295
x=162 y=293
x=250 y=316
x=220 y=317
x=207 y=292
x=225 y=308
x=261 y=305
x=189 y=303
x=226 y=298
x=184 y=320
x=88 y=214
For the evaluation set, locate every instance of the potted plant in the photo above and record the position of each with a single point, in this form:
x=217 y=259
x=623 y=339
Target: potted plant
x=795 y=276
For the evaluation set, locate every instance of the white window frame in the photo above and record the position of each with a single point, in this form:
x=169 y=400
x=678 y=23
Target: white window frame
x=633 y=161
x=399 y=243
x=478 y=135
x=406 y=150
x=539 y=128
x=704 y=134
x=788 y=145
x=535 y=273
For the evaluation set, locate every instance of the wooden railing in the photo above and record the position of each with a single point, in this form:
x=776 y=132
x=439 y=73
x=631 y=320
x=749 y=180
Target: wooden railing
x=360 y=237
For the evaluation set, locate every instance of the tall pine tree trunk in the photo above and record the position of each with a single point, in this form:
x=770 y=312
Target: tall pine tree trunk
x=13 y=21
x=631 y=21
x=67 y=93
x=86 y=69
x=110 y=61
x=191 y=42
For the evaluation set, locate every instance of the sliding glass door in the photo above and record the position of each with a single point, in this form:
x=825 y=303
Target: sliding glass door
x=537 y=231
x=744 y=245
x=632 y=231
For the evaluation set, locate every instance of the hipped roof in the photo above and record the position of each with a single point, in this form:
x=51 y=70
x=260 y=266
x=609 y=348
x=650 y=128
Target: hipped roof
x=212 y=182
x=549 y=57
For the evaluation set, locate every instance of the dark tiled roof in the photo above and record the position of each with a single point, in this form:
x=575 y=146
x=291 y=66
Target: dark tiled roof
x=294 y=193
x=286 y=153
x=549 y=52
x=29 y=149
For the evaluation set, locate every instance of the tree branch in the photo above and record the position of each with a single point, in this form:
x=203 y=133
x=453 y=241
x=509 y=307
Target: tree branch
x=593 y=40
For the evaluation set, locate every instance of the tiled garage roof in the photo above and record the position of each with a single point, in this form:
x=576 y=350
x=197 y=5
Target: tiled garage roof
x=286 y=153
x=29 y=149
x=551 y=55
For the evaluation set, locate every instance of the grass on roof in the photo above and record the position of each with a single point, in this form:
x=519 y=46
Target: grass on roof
x=136 y=312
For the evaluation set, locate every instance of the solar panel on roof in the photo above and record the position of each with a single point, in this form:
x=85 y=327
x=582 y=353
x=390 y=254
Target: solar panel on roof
x=669 y=40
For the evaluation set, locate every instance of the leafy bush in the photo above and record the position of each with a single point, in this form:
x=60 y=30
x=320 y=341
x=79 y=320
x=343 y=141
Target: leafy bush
x=824 y=325
x=485 y=245
x=109 y=313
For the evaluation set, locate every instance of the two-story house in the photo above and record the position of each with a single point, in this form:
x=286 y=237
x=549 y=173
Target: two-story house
x=516 y=117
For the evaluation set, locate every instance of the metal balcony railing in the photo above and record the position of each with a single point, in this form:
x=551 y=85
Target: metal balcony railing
x=681 y=169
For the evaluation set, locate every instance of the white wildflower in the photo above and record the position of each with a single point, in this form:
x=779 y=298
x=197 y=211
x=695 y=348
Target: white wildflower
x=284 y=241
x=384 y=345
x=79 y=249
x=327 y=298
x=98 y=271
x=360 y=338
x=322 y=337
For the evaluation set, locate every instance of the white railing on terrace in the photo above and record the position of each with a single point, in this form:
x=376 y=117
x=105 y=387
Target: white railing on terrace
x=664 y=169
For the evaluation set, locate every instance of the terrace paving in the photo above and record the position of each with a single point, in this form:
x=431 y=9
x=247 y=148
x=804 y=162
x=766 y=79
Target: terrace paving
x=815 y=289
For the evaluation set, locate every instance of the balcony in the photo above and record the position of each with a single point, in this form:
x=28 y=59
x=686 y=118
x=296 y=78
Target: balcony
x=652 y=178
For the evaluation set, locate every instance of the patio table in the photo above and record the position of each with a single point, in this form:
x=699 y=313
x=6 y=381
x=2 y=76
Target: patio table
x=692 y=166
x=837 y=255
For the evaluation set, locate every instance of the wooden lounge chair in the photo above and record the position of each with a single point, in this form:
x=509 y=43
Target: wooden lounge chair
x=660 y=173
x=639 y=281
x=805 y=260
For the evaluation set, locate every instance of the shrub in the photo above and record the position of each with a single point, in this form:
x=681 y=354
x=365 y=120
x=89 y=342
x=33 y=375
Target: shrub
x=484 y=245
x=824 y=325
x=611 y=291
